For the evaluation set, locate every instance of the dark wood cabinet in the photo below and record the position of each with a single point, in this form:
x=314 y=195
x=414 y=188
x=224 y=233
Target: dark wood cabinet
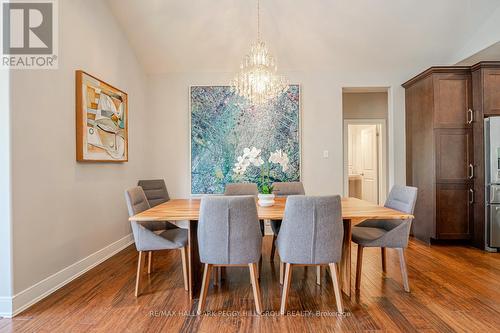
x=454 y=155
x=452 y=100
x=491 y=88
x=439 y=151
x=486 y=102
x=454 y=211
x=445 y=112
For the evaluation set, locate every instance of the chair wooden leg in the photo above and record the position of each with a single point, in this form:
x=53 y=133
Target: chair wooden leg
x=404 y=272
x=359 y=264
x=204 y=288
x=184 y=255
x=282 y=272
x=273 y=247
x=384 y=265
x=336 y=287
x=215 y=275
x=150 y=260
x=318 y=275
x=286 y=287
x=139 y=271
x=255 y=287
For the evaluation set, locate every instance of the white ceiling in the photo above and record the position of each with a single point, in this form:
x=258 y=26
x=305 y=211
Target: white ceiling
x=213 y=35
x=491 y=53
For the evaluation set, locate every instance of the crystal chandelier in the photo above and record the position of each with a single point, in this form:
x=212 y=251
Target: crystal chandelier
x=258 y=80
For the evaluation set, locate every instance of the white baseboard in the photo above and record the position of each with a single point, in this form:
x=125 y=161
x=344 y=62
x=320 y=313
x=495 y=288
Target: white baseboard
x=6 y=307
x=42 y=289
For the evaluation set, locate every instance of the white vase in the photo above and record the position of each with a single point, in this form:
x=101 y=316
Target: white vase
x=266 y=200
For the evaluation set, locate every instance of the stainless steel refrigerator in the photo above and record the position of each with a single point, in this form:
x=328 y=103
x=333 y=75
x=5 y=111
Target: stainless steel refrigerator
x=492 y=181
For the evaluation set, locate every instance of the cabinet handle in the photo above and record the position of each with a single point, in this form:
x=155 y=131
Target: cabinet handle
x=470 y=116
x=471 y=196
x=471 y=171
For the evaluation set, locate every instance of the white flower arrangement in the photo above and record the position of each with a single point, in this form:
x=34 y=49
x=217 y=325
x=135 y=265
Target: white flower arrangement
x=250 y=156
x=253 y=157
x=281 y=158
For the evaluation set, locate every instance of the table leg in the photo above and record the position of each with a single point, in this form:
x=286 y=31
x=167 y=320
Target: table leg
x=195 y=267
x=345 y=261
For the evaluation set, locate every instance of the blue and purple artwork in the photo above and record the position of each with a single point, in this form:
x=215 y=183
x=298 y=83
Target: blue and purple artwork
x=223 y=124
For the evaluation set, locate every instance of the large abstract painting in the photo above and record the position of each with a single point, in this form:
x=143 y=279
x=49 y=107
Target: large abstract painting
x=101 y=121
x=233 y=141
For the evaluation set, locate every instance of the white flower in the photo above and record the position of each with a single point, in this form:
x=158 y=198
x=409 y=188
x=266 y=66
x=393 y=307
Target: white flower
x=250 y=156
x=257 y=161
x=255 y=158
x=281 y=158
x=241 y=166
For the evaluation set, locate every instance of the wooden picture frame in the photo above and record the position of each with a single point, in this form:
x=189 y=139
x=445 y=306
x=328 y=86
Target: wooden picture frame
x=101 y=120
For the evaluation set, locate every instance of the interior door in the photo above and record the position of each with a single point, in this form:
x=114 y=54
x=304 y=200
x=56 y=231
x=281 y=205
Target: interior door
x=369 y=163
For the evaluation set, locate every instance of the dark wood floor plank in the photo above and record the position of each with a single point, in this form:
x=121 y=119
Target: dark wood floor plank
x=454 y=288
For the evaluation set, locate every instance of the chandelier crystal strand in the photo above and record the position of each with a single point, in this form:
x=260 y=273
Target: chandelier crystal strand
x=258 y=80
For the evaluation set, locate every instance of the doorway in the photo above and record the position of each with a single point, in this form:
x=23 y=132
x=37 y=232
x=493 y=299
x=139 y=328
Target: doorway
x=365 y=144
x=364 y=160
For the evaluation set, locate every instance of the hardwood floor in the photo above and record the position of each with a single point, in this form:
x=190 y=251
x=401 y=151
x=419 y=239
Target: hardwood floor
x=454 y=288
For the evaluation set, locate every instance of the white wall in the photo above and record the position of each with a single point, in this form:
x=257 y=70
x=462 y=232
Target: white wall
x=64 y=211
x=168 y=100
x=5 y=197
x=371 y=105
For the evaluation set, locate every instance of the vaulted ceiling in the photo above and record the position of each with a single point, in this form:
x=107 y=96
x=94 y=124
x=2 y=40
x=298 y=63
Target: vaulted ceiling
x=213 y=35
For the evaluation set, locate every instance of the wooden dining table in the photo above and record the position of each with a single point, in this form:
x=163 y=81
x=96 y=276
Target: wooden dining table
x=353 y=211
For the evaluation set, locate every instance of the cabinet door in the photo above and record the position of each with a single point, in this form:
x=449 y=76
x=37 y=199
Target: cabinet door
x=452 y=100
x=491 y=91
x=478 y=133
x=454 y=155
x=454 y=209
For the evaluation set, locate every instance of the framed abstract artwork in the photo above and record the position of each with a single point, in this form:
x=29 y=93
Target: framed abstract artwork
x=234 y=141
x=101 y=121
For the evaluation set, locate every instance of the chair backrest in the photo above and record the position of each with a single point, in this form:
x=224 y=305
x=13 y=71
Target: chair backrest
x=155 y=190
x=281 y=189
x=137 y=203
x=241 y=189
x=136 y=200
x=312 y=230
x=228 y=230
x=143 y=231
x=402 y=198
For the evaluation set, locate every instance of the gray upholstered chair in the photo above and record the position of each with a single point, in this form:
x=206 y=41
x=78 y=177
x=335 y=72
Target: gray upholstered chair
x=387 y=233
x=311 y=235
x=155 y=190
x=233 y=189
x=228 y=235
x=152 y=236
x=156 y=193
x=283 y=189
x=241 y=189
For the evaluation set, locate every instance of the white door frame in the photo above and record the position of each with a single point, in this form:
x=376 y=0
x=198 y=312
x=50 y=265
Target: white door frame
x=382 y=156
